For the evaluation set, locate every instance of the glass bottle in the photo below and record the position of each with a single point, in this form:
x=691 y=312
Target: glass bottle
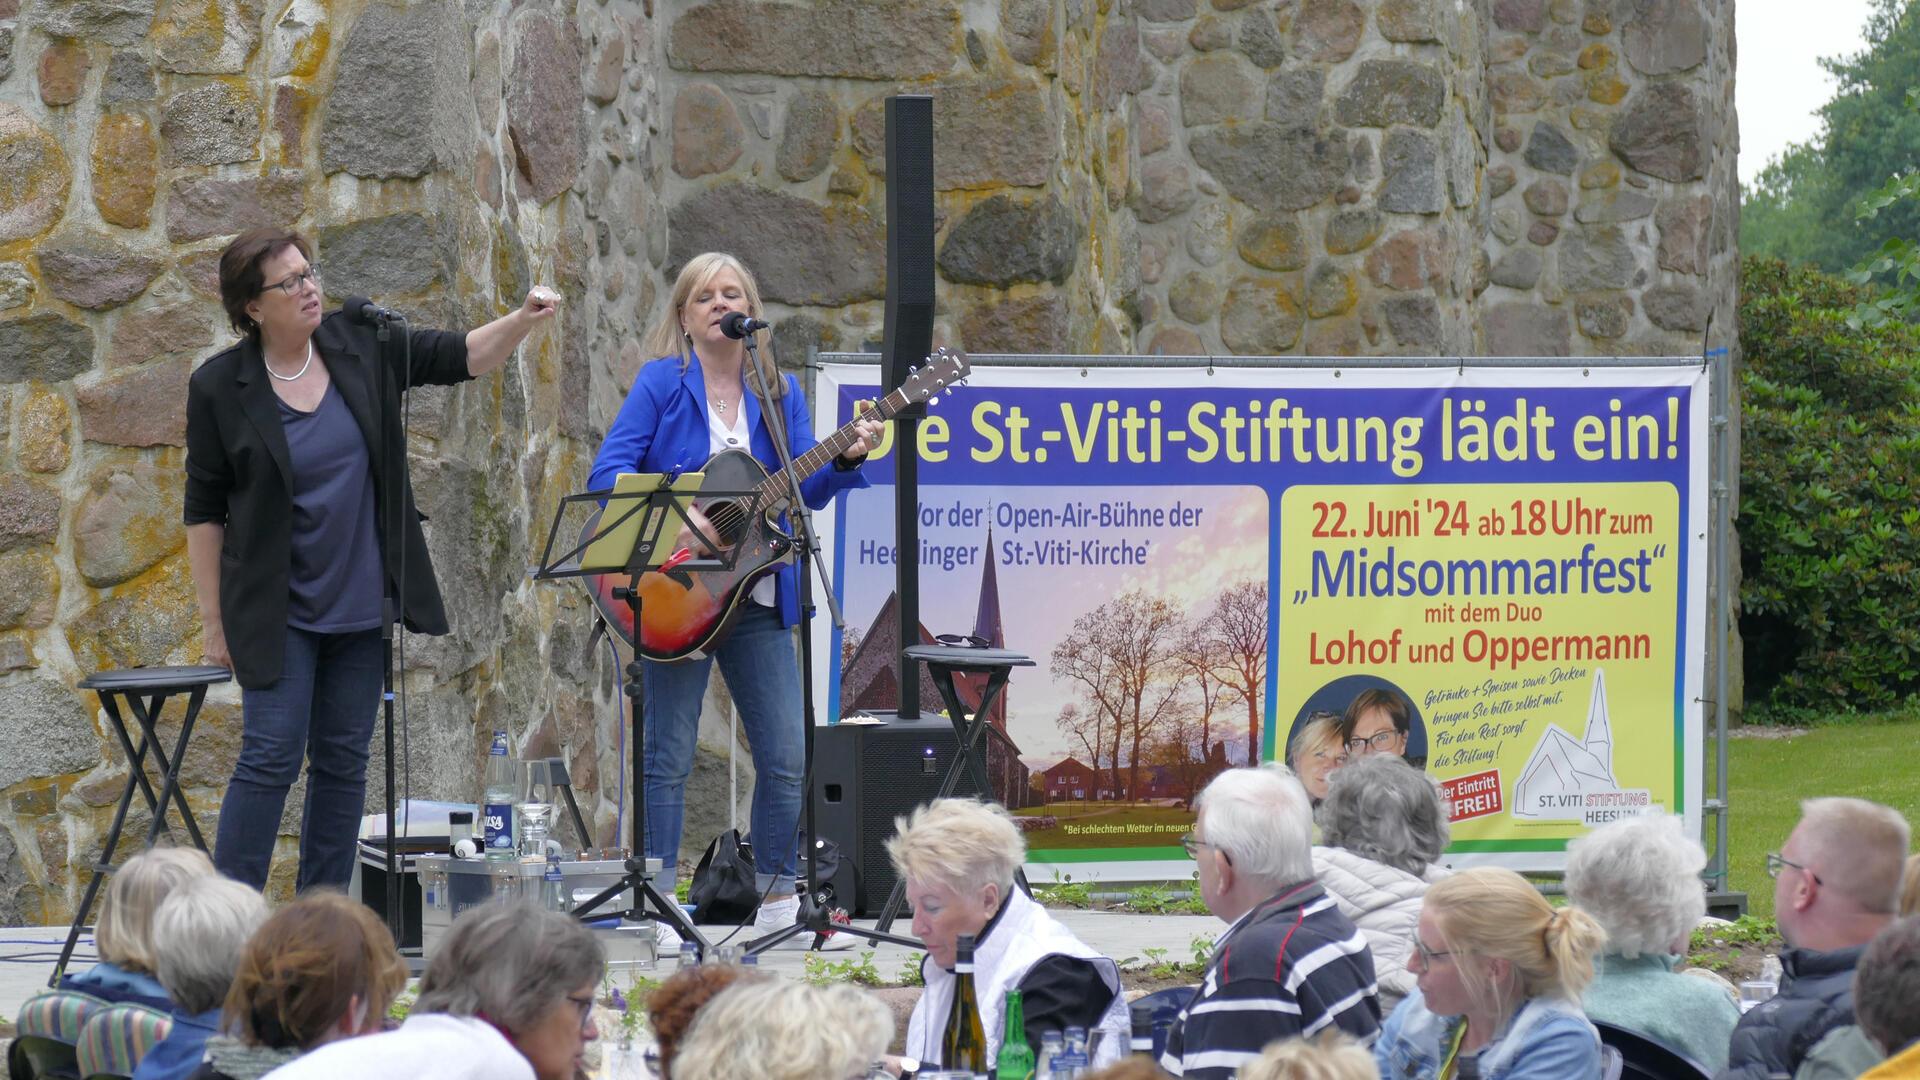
x=496 y=800
x=1015 y=1060
x=1052 y=1045
x=554 y=895
x=964 y=1045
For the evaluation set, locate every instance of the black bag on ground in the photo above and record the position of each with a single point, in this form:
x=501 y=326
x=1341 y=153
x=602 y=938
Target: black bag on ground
x=723 y=890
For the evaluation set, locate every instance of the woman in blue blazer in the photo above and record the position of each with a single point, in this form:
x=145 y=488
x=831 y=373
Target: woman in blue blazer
x=697 y=400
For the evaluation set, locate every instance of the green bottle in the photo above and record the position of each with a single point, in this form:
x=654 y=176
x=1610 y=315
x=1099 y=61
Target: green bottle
x=1016 y=1057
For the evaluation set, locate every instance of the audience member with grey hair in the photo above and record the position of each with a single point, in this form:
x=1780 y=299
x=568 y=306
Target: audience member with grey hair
x=199 y=931
x=123 y=936
x=958 y=858
x=1640 y=880
x=1290 y=963
x=774 y=1029
x=508 y=995
x=1382 y=826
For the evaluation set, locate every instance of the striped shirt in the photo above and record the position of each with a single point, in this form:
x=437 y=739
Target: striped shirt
x=1291 y=966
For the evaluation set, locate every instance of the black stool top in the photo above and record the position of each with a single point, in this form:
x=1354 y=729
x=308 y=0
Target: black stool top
x=966 y=656
x=154 y=679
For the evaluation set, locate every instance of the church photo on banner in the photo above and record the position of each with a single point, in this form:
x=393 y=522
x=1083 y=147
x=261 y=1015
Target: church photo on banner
x=1212 y=567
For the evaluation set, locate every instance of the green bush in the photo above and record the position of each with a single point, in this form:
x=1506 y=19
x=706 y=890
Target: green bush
x=1829 y=521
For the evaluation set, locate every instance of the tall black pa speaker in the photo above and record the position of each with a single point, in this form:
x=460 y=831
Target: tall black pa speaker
x=865 y=776
x=908 y=339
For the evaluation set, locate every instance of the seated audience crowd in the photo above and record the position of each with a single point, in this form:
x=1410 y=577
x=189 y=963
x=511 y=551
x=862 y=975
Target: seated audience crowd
x=1355 y=959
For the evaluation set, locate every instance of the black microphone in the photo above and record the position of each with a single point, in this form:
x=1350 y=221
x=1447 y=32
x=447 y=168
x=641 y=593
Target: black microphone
x=367 y=313
x=736 y=326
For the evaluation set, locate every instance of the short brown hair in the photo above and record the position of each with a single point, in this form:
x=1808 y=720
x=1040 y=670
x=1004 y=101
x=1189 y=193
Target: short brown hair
x=1395 y=706
x=240 y=276
x=672 y=1005
x=303 y=967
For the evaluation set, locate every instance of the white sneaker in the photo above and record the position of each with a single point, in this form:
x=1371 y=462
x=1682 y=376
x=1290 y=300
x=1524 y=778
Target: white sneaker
x=778 y=915
x=666 y=941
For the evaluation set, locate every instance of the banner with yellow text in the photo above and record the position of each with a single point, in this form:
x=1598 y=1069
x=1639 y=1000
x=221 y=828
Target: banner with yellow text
x=1498 y=574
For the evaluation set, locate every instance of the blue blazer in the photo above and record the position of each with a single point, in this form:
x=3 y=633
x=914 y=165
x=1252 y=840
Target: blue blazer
x=662 y=427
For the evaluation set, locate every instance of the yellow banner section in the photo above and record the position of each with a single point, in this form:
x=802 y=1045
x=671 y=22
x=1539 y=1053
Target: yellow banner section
x=1531 y=628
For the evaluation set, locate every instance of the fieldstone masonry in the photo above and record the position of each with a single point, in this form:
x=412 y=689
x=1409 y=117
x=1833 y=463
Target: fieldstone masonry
x=1331 y=177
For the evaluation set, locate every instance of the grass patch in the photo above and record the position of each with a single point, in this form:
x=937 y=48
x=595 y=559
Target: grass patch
x=1160 y=899
x=1864 y=755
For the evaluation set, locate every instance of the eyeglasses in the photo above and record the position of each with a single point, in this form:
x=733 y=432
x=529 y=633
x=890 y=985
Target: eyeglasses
x=1374 y=743
x=1777 y=862
x=972 y=641
x=585 y=1005
x=1193 y=844
x=292 y=285
x=1427 y=956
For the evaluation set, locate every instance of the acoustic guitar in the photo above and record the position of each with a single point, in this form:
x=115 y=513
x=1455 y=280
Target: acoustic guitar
x=684 y=614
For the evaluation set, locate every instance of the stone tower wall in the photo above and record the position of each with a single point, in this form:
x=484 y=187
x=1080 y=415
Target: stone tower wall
x=1332 y=177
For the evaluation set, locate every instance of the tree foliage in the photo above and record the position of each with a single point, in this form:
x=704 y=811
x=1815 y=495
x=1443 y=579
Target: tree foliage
x=1829 y=497
x=1803 y=207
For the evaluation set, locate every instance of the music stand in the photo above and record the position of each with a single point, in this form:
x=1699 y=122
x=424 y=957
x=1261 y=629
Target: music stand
x=626 y=538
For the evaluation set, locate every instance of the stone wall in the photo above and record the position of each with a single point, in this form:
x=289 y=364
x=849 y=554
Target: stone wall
x=1333 y=177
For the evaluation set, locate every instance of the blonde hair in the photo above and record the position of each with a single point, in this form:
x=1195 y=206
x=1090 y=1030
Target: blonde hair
x=1322 y=729
x=959 y=843
x=1494 y=913
x=1910 y=888
x=1858 y=849
x=1331 y=1056
x=773 y=1029
x=123 y=935
x=669 y=338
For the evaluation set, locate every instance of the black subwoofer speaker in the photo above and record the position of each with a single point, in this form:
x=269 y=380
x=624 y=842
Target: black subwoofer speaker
x=865 y=776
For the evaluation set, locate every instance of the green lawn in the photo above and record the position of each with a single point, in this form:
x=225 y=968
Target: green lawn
x=1871 y=759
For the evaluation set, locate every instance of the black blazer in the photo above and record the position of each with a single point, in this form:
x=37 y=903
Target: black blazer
x=239 y=476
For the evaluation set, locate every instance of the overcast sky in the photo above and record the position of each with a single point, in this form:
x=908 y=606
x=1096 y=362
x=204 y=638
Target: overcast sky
x=1779 y=82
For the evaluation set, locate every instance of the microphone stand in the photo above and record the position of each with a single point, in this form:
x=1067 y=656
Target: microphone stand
x=392 y=605
x=813 y=914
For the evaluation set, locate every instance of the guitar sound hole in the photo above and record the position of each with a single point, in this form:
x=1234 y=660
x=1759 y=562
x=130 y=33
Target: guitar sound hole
x=729 y=518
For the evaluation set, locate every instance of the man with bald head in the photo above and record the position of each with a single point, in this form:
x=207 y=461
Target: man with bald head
x=1836 y=885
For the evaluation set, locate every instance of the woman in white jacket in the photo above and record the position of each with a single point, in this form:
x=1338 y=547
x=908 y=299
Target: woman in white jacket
x=1382 y=826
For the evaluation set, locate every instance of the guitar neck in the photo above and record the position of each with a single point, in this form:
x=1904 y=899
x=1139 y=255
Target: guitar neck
x=774 y=492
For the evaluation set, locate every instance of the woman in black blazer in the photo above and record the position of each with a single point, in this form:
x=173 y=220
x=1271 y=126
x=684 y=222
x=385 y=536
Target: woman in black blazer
x=289 y=485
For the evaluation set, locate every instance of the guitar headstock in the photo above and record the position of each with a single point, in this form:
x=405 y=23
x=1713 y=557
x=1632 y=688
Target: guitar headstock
x=942 y=368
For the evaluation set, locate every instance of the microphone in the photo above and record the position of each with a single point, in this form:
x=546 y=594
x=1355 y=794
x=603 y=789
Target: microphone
x=736 y=326
x=367 y=313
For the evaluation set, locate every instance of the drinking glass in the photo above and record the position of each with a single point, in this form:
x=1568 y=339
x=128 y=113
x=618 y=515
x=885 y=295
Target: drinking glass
x=535 y=812
x=1755 y=991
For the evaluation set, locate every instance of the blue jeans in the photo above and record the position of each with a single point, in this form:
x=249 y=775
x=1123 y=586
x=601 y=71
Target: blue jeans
x=757 y=660
x=323 y=706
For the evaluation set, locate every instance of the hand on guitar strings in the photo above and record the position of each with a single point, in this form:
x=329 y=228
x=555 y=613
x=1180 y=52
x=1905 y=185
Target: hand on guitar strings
x=869 y=439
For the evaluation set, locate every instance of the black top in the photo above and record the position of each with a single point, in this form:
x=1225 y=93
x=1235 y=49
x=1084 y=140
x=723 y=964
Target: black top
x=1816 y=996
x=1059 y=992
x=240 y=475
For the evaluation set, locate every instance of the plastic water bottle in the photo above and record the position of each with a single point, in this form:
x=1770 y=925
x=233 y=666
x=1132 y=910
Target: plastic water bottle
x=1052 y=1045
x=553 y=886
x=497 y=800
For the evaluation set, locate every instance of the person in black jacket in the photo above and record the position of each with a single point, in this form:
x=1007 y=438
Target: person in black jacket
x=293 y=471
x=1836 y=883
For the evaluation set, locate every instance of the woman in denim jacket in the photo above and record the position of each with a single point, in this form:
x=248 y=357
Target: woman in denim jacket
x=1500 y=973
